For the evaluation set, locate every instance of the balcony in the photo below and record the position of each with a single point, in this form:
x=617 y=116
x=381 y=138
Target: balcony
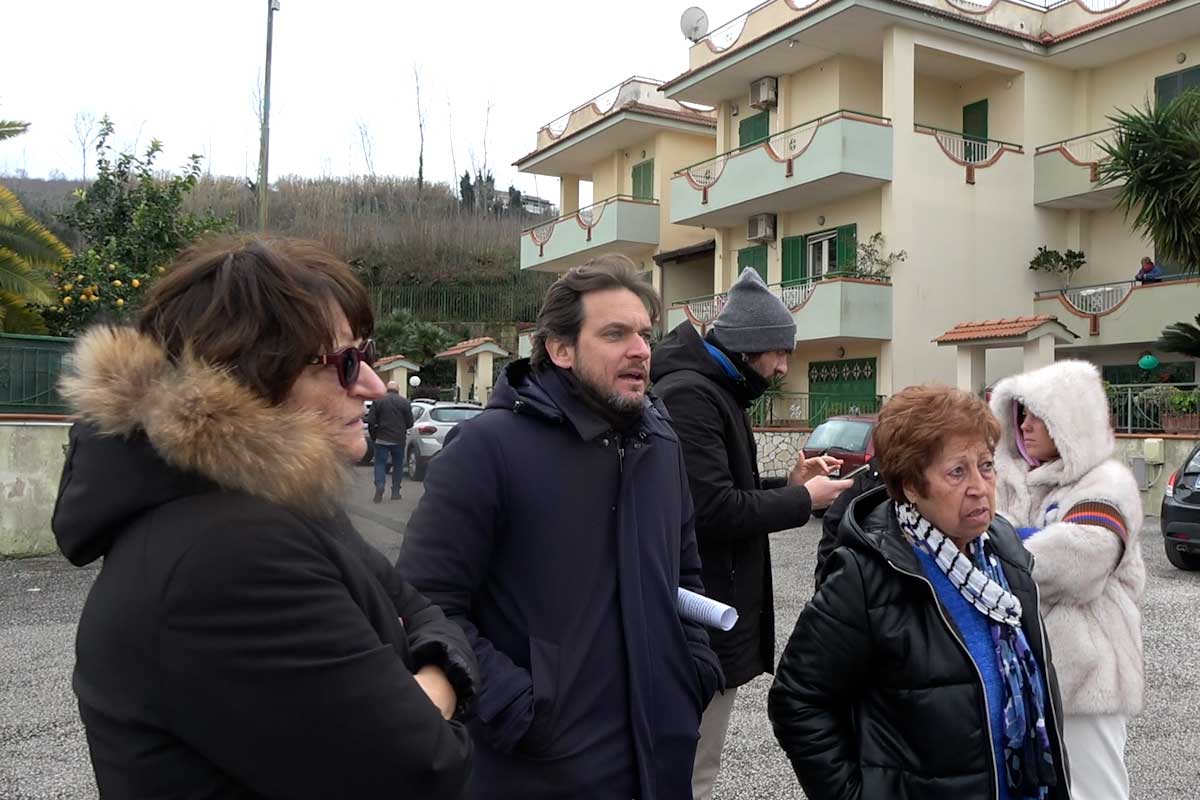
x=617 y=224
x=834 y=156
x=1066 y=173
x=837 y=306
x=1120 y=313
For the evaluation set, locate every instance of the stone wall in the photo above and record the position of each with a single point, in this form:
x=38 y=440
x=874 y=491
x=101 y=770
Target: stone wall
x=778 y=450
x=31 y=459
x=1175 y=450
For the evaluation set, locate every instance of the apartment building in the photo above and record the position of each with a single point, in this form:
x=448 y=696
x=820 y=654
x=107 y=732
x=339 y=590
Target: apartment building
x=967 y=134
x=627 y=142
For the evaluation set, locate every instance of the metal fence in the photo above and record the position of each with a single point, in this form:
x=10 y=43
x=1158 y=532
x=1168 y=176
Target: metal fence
x=30 y=367
x=510 y=301
x=803 y=409
x=1154 y=408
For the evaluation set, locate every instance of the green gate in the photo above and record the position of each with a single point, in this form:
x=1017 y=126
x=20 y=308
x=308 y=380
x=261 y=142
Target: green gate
x=845 y=386
x=30 y=367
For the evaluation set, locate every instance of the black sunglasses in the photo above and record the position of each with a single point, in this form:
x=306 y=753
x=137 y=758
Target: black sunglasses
x=348 y=361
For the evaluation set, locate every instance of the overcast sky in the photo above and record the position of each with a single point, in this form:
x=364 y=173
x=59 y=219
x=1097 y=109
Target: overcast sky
x=186 y=71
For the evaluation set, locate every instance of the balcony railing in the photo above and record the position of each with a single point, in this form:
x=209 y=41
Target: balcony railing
x=1084 y=150
x=1154 y=408
x=783 y=147
x=969 y=150
x=703 y=310
x=601 y=103
x=1098 y=299
x=804 y=409
x=587 y=218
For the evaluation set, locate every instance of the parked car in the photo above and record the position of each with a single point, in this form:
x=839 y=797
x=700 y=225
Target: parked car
x=431 y=423
x=847 y=437
x=1180 y=515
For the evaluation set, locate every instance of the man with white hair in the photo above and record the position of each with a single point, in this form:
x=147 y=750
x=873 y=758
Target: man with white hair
x=388 y=422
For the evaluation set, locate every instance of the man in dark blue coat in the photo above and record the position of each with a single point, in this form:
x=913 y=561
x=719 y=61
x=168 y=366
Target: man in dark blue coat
x=556 y=528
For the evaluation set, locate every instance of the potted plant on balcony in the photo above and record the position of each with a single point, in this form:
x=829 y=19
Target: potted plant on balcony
x=1182 y=412
x=871 y=263
x=1064 y=265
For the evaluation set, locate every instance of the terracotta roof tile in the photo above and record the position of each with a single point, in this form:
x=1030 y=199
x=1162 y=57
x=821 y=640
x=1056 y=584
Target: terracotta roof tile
x=383 y=362
x=462 y=347
x=994 y=328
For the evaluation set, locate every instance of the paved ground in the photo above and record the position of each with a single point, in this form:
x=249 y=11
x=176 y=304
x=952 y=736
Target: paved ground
x=43 y=753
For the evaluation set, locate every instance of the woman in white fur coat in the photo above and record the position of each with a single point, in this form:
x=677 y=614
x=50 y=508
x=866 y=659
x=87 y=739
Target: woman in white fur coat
x=1080 y=514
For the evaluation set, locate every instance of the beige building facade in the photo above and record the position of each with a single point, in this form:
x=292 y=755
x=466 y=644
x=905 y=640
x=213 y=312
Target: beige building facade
x=968 y=135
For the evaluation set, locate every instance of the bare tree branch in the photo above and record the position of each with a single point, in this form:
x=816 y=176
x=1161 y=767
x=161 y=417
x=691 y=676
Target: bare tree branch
x=368 y=147
x=85 y=135
x=453 y=160
x=421 y=131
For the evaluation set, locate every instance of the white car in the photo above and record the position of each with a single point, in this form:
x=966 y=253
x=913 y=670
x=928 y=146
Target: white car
x=431 y=423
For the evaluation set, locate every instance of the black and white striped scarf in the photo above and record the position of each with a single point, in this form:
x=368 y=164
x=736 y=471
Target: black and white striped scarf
x=989 y=597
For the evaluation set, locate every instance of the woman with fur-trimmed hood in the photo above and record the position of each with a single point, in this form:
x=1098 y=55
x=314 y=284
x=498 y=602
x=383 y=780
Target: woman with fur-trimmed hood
x=241 y=640
x=1080 y=513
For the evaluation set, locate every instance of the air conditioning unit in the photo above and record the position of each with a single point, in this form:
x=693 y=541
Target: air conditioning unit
x=761 y=228
x=762 y=93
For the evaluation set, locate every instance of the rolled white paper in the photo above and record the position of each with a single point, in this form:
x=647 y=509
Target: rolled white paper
x=698 y=608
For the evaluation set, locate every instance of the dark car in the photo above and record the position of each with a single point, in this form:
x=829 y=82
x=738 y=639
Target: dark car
x=846 y=437
x=1181 y=514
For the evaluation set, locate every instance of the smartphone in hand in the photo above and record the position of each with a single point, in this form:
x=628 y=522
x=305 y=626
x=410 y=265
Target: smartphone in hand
x=854 y=473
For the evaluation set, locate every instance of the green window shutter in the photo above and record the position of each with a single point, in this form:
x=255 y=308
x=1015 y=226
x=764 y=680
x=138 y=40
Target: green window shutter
x=643 y=180
x=847 y=248
x=755 y=129
x=755 y=258
x=975 y=121
x=794 y=252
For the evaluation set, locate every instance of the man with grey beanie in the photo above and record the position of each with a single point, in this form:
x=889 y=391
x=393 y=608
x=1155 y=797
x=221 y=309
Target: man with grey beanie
x=708 y=385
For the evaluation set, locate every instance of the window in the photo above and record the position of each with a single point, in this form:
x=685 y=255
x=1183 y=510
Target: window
x=1168 y=87
x=815 y=255
x=755 y=258
x=755 y=129
x=844 y=434
x=454 y=414
x=643 y=180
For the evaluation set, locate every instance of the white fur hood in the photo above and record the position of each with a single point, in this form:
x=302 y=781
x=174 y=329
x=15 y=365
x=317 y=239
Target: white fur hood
x=1069 y=397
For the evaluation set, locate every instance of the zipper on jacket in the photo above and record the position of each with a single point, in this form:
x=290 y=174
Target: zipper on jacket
x=1037 y=599
x=987 y=714
x=620 y=456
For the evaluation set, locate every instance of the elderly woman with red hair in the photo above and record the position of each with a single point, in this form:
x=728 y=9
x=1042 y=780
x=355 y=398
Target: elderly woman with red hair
x=920 y=668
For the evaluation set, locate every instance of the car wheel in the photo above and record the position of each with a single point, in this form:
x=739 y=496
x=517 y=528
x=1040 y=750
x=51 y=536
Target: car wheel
x=416 y=467
x=1184 y=561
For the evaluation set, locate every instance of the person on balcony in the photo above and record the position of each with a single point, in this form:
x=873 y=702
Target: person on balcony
x=1080 y=513
x=1149 y=272
x=707 y=385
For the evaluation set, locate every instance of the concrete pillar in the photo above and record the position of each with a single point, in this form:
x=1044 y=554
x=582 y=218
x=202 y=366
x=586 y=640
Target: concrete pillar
x=783 y=107
x=720 y=282
x=568 y=194
x=1081 y=103
x=461 y=378
x=899 y=96
x=722 y=127
x=1039 y=352
x=883 y=377
x=972 y=372
x=483 y=377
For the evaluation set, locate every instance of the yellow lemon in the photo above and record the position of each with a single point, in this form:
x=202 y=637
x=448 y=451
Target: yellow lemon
x=120 y=303
x=66 y=301
x=116 y=283
x=67 y=287
x=136 y=283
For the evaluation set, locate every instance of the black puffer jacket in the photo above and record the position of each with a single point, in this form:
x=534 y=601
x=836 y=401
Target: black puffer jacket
x=735 y=510
x=876 y=695
x=241 y=640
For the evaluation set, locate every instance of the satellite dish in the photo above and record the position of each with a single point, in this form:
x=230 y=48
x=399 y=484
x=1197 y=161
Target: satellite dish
x=694 y=24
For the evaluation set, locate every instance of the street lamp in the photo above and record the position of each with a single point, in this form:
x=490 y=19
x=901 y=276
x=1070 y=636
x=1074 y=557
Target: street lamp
x=264 y=144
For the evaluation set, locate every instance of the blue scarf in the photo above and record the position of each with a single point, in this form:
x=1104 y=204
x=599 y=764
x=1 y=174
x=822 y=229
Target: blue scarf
x=1028 y=758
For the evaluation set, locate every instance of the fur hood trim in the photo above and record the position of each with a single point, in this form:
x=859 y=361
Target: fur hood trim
x=201 y=420
x=1069 y=397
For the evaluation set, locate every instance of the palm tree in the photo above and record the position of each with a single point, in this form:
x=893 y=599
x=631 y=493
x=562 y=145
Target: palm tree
x=1182 y=338
x=1156 y=152
x=28 y=252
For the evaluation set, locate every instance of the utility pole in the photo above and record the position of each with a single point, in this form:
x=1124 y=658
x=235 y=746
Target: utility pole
x=264 y=146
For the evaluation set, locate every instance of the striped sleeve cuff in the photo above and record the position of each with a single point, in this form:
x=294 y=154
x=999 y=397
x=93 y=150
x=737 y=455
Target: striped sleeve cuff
x=1099 y=514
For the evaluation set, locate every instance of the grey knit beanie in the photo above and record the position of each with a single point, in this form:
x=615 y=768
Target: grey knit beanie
x=753 y=319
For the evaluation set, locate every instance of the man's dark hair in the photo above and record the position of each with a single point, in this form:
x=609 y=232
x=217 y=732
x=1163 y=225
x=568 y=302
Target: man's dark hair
x=562 y=311
x=258 y=307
